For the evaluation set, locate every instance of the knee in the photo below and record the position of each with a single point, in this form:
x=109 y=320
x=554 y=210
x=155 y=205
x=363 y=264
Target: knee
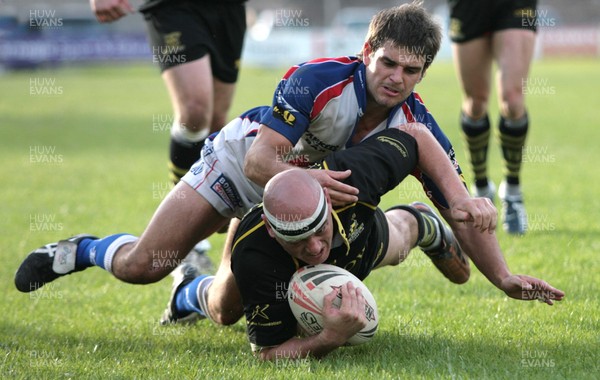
x=513 y=106
x=476 y=105
x=195 y=115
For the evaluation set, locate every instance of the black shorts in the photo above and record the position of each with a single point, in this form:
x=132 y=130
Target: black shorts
x=470 y=19
x=380 y=236
x=184 y=31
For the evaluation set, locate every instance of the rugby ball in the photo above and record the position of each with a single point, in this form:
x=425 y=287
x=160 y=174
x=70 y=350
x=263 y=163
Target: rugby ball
x=310 y=284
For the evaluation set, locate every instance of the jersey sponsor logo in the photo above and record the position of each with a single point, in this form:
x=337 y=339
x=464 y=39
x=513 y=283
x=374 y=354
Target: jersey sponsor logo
x=227 y=192
x=284 y=115
x=395 y=143
x=317 y=144
x=259 y=311
x=355 y=229
x=260 y=317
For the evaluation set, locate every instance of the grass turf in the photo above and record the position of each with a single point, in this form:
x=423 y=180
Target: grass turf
x=83 y=149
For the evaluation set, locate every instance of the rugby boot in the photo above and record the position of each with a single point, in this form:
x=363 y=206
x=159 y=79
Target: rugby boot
x=48 y=263
x=448 y=256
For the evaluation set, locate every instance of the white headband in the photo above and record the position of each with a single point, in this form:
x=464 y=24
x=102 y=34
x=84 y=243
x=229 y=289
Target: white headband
x=295 y=230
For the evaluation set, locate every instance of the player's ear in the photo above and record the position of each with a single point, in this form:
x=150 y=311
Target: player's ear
x=268 y=226
x=366 y=53
x=328 y=198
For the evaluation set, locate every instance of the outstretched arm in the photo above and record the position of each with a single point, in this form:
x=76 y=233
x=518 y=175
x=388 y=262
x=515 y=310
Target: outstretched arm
x=484 y=250
x=470 y=217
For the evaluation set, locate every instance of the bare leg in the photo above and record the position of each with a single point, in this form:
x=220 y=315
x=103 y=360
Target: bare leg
x=513 y=51
x=190 y=87
x=473 y=62
x=403 y=232
x=183 y=218
x=223 y=97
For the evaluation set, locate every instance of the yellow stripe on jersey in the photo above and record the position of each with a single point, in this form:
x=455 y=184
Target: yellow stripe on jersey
x=251 y=230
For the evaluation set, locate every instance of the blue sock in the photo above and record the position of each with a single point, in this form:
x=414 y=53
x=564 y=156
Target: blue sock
x=100 y=252
x=186 y=298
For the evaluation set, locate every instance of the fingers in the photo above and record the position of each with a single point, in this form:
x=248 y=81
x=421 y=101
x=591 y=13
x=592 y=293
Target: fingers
x=352 y=299
x=339 y=192
x=332 y=182
x=478 y=211
x=353 y=304
x=349 y=318
x=484 y=214
x=339 y=198
x=329 y=299
x=532 y=288
x=338 y=175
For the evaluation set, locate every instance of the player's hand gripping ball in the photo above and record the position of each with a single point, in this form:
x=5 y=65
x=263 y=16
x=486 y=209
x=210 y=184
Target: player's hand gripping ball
x=310 y=284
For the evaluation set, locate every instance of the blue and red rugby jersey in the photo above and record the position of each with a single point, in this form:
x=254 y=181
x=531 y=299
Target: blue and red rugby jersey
x=317 y=105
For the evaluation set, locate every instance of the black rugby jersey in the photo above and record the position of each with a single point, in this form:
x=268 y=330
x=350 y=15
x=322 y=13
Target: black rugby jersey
x=262 y=268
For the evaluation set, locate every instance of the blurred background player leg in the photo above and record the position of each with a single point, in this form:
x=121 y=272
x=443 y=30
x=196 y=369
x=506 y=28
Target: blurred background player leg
x=513 y=50
x=198 y=46
x=504 y=33
x=473 y=60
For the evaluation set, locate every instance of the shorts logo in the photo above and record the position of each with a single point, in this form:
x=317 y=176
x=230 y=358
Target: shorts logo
x=197 y=168
x=207 y=150
x=284 y=115
x=227 y=192
x=395 y=143
x=173 y=41
x=456 y=28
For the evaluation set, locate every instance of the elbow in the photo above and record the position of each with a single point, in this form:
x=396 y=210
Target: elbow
x=250 y=167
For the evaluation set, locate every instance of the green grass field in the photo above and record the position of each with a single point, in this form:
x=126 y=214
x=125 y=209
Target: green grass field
x=84 y=150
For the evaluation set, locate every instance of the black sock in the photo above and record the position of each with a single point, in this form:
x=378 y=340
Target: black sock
x=476 y=134
x=182 y=157
x=513 y=134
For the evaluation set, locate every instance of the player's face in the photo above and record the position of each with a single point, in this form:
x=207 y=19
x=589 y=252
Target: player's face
x=392 y=73
x=315 y=248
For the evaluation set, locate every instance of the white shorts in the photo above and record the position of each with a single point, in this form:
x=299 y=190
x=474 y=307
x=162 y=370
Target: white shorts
x=219 y=174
